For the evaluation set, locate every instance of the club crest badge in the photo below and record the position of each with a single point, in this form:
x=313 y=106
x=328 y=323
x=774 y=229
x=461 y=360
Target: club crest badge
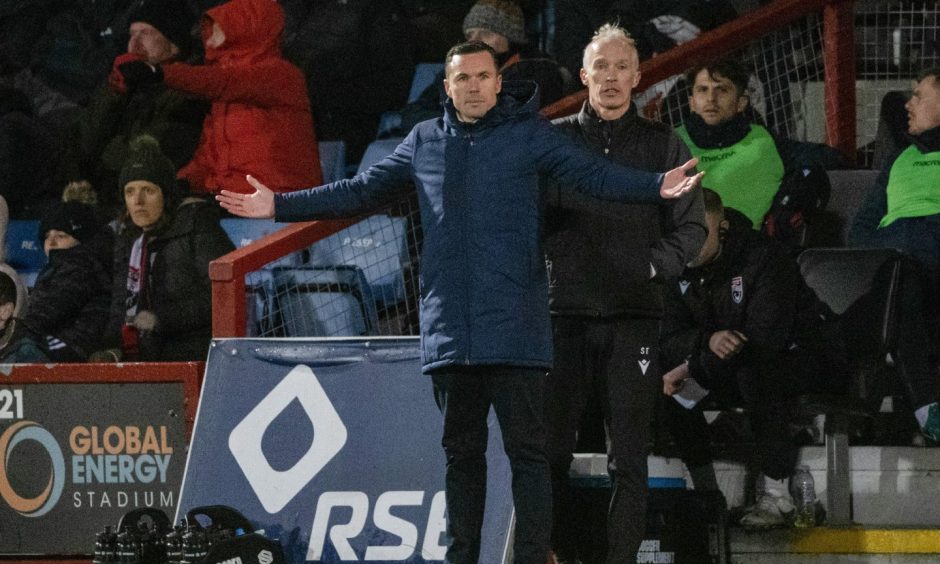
x=737 y=289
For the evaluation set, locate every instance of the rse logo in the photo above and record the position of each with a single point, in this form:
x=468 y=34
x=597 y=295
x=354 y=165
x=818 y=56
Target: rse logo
x=384 y=520
x=275 y=488
x=340 y=516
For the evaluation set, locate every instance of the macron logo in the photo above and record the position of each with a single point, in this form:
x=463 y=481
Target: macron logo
x=275 y=488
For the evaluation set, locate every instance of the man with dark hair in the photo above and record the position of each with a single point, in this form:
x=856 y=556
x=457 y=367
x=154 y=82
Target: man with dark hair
x=902 y=211
x=744 y=325
x=751 y=169
x=485 y=326
x=607 y=262
x=499 y=24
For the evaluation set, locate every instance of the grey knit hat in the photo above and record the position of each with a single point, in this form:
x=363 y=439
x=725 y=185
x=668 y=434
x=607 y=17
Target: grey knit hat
x=500 y=16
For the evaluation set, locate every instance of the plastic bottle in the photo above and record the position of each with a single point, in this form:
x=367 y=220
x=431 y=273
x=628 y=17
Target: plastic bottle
x=804 y=493
x=105 y=546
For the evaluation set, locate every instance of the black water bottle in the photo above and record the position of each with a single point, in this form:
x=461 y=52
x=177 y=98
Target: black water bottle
x=152 y=545
x=127 y=546
x=174 y=544
x=195 y=546
x=105 y=547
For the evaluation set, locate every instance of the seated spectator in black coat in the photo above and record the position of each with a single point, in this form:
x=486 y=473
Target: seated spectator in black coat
x=499 y=24
x=29 y=157
x=351 y=46
x=744 y=325
x=160 y=32
x=68 y=305
x=161 y=296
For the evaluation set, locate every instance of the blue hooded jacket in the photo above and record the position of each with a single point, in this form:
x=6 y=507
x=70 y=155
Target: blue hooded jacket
x=484 y=289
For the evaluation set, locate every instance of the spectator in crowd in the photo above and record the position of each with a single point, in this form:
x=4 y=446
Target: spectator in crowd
x=902 y=211
x=17 y=344
x=29 y=157
x=485 y=327
x=352 y=46
x=260 y=119
x=160 y=32
x=68 y=304
x=743 y=324
x=753 y=171
x=656 y=25
x=5 y=268
x=606 y=265
x=499 y=24
x=439 y=23
x=161 y=301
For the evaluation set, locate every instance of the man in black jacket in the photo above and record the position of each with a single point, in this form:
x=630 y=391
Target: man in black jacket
x=159 y=32
x=606 y=267
x=744 y=325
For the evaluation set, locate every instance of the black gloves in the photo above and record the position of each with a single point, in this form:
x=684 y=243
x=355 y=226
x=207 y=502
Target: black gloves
x=138 y=73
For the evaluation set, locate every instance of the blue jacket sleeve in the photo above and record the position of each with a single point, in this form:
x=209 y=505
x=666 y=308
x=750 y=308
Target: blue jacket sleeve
x=573 y=166
x=368 y=190
x=869 y=215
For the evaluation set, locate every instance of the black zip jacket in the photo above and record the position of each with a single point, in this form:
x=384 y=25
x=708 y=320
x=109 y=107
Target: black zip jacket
x=753 y=287
x=599 y=253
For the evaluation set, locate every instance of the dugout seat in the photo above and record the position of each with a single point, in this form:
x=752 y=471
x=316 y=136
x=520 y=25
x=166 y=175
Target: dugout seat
x=830 y=228
x=862 y=286
x=378 y=246
x=323 y=301
x=259 y=285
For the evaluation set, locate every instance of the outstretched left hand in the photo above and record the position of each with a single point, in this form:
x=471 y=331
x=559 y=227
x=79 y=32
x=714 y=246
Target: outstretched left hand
x=259 y=204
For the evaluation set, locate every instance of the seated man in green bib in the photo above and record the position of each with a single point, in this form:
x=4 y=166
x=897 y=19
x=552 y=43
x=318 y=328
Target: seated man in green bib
x=902 y=211
x=750 y=168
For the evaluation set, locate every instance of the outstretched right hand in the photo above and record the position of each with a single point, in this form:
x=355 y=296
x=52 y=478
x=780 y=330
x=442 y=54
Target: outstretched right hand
x=675 y=182
x=260 y=204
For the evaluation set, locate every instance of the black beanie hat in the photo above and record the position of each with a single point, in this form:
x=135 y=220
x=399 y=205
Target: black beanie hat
x=75 y=218
x=146 y=162
x=172 y=18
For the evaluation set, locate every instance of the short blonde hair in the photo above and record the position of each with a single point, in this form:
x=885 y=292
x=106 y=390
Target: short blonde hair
x=80 y=191
x=609 y=31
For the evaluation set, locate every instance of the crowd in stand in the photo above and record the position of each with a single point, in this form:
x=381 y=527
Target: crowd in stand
x=122 y=122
